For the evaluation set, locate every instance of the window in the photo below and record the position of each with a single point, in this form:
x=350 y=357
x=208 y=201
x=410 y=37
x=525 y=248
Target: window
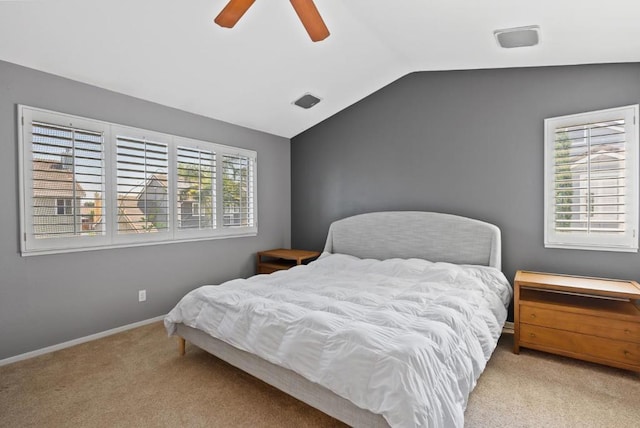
x=195 y=209
x=87 y=184
x=591 y=180
x=64 y=206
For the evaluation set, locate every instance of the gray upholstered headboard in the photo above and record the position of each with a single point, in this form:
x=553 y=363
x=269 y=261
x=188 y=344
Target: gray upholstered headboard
x=407 y=234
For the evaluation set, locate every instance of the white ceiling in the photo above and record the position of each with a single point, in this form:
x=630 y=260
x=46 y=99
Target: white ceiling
x=171 y=52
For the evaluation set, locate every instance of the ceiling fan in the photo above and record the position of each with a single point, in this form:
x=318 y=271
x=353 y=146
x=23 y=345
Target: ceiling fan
x=306 y=10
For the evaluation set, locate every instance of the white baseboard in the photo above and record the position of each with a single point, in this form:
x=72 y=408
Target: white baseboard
x=508 y=328
x=78 y=341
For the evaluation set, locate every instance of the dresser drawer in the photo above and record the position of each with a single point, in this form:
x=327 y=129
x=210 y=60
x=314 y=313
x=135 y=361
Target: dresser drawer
x=579 y=323
x=598 y=348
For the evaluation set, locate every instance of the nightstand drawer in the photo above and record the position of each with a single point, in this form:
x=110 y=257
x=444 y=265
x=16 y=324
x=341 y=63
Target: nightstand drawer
x=266 y=268
x=575 y=344
x=579 y=323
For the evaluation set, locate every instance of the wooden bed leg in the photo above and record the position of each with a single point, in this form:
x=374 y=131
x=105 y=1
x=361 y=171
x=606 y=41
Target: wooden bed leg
x=181 y=346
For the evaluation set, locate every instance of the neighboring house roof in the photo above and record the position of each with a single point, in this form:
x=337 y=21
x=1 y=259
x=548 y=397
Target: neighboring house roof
x=130 y=215
x=155 y=180
x=159 y=181
x=52 y=180
x=612 y=153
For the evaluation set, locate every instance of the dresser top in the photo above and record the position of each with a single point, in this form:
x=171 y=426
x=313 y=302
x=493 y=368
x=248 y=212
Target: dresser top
x=579 y=284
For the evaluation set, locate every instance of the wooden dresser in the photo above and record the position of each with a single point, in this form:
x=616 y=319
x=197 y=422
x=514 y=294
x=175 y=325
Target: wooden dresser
x=592 y=319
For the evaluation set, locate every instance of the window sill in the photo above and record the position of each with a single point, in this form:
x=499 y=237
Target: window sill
x=591 y=247
x=31 y=253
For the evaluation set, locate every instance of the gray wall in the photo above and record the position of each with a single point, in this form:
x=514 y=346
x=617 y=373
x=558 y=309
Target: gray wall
x=461 y=142
x=46 y=300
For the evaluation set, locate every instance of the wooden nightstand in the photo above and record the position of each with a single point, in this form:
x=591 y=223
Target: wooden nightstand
x=591 y=319
x=282 y=259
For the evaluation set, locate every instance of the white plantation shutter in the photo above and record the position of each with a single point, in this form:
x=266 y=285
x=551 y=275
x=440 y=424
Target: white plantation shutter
x=142 y=169
x=238 y=191
x=592 y=180
x=62 y=181
x=87 y=184
x=196 y=182
x=590 y=176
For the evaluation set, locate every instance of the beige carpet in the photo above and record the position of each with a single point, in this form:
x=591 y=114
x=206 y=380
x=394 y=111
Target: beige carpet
x=136 y=379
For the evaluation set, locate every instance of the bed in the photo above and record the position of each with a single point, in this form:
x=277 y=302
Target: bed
x=391 y=326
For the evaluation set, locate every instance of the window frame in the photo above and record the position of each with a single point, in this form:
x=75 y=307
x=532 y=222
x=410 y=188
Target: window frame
x=110 y=238
x=627 y=242
x=29 y=244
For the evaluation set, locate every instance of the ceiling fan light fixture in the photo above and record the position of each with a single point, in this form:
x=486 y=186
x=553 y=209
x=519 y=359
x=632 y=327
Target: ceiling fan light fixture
x=518 y=37
x=307 y=101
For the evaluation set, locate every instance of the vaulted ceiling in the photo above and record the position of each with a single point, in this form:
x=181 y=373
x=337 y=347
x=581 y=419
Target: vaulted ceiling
x=171 y=52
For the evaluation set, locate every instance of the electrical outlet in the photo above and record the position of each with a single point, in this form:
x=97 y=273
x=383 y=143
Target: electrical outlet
x=142 y=295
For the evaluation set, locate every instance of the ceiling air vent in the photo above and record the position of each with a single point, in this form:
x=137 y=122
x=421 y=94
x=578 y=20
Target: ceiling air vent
x=518 y=37
x=307 y=101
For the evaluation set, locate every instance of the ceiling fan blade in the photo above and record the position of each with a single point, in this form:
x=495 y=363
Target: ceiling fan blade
x=311 y=19
x=232 y=12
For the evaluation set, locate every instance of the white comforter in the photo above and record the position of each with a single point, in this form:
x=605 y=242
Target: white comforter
x=403 y=338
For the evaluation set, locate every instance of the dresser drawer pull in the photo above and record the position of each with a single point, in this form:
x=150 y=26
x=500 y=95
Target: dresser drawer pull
x=533 y=315
x=534 y=335
x=627 y=353
x=627 y=331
